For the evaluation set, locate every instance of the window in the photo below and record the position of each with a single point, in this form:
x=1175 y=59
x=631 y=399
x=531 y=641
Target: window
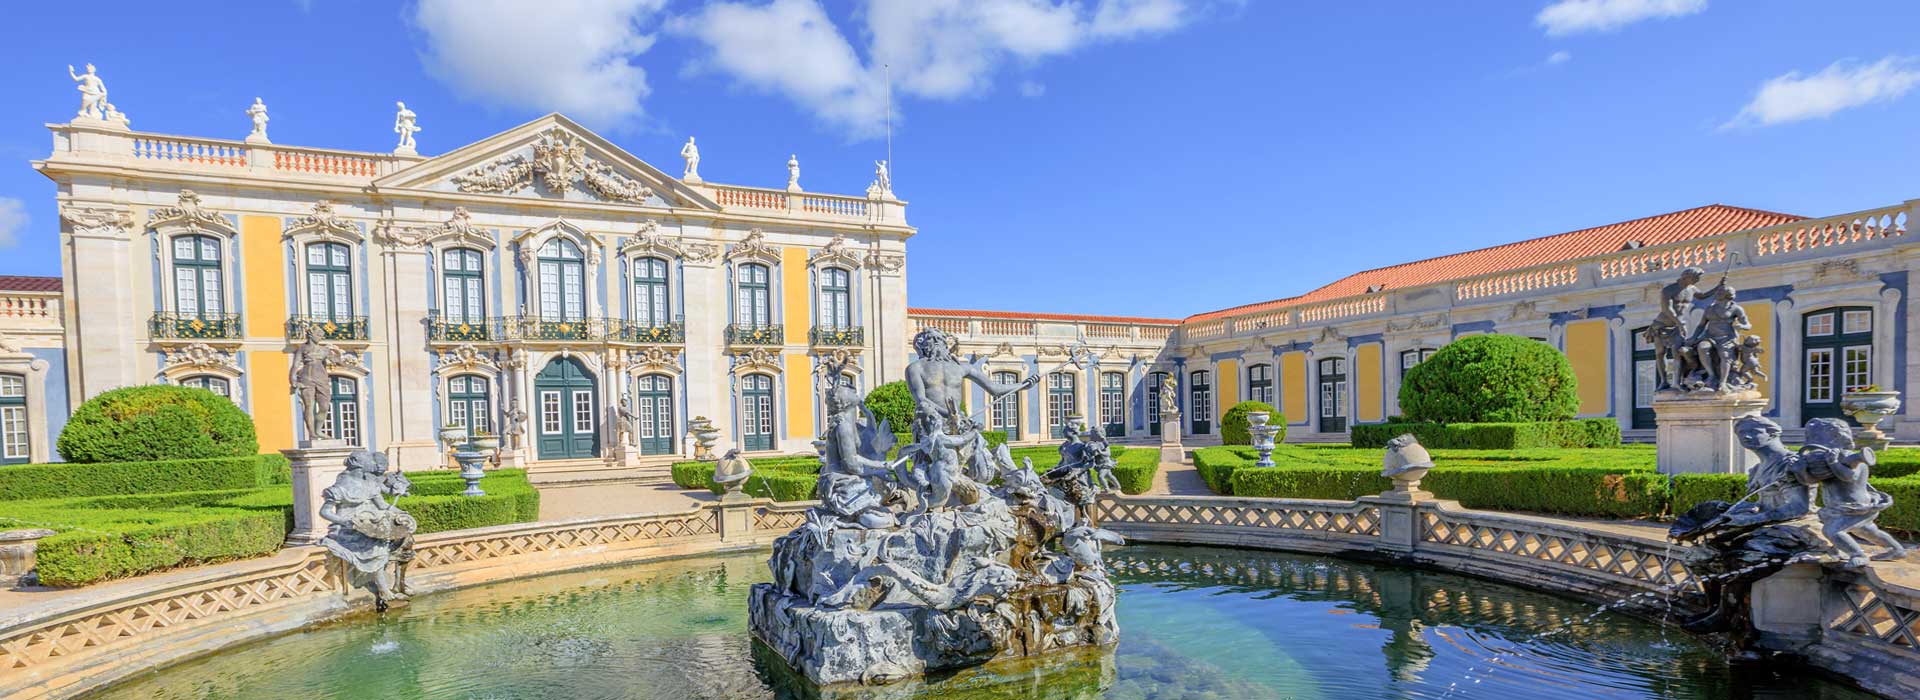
x=218 y=385
x=1201 y=405
x=467 y=403
x=1260 y=383
x=1153 y=401
x=550 y=418
x=582 y=412
x=755 y=310
x=343 y=420
x=836 y=299
x=1646 y=378
x=197 y=284
x=464 y=281
x=651 y=304
x=1006 y=409
x=1836 y=357
x=563 y=282
x=329 y=281
x=1062 y=395
x=1412 y=358
x=15 y=444
x=1113 y=403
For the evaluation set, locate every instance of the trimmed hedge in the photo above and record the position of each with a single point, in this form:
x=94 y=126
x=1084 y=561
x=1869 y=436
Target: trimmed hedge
x=1491 y=379
x=793 y=478
x=1233 y=423
x=1579 y=433
x=1216 y=466
x=158 y=422
x=893 y=403
x=35 y=481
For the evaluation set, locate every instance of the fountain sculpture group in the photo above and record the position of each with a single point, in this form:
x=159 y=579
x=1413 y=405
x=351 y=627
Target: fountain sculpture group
x=944 y=556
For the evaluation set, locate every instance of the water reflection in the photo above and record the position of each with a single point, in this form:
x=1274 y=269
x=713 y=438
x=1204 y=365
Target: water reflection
x=1196 y=623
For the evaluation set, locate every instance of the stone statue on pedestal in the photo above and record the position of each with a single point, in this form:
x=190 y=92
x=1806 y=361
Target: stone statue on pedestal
x=515 y=426
x=1668 y=332
x=404 y=125
x=793 y=173
x=691 y=153
x=311 y=383
x=93 y=93
x=258 y=113
x=371 y=538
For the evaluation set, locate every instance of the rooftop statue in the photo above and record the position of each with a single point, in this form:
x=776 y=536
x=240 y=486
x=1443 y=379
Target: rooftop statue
x=403 y=124
x=93 y=93
x=692 y=154
x=882 y=177
x=793 y=173
x=371 y=538
x=258 y=114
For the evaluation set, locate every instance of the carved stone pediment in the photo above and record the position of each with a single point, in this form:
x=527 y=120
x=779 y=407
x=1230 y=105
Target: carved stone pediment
x=324 y=222
x=653 y=360
x=754 y=247
x=190 y=215
x=559 y=161
x=1838 y=271
x=837 y=252
x=886 y=261
x=755 y=359
x=1330 y=334
x=201 y=356
x=467 y=358
x=550 y=157
x=457 y=230
x=651 y=242
x=531 y=239
x=1523 y=311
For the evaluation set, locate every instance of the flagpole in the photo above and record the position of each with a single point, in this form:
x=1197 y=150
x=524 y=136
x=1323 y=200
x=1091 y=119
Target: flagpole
x=892 y=169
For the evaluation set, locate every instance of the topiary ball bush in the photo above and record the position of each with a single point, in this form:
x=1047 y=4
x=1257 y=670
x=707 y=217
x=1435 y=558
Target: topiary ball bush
x=1233 y=424
x=147 y=423
x=1490 y=379
x=892 y=403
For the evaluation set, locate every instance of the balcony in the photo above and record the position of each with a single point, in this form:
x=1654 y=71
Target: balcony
x=164 y=326
x=756 y=335
x=536 y=328
x=441 y=330
x=340 y=328
x=826 y=336
x=619 y=331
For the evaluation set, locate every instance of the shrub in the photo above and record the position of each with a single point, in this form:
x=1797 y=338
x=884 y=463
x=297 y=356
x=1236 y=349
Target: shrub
x=1134 y=469
x=1233 y=424
x=150 y=423
x=36 y=481
x=892 y=403
x=1216 y=466
x=1490 y=379
x=1584 y=432
x=1586 y=491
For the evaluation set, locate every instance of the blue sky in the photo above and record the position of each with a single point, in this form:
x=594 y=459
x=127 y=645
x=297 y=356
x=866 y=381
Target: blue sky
x=1141 y=157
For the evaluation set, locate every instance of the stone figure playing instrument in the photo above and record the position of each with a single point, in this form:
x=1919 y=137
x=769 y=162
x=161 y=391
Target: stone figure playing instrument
x=93 y=93
x=1668 y=332
x=404 y=125
x=371 y=537
x=1715 y=346
x=311 y=383
x=1848 y=504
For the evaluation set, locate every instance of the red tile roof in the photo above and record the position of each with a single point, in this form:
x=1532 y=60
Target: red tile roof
x=24 y=283
x=1022 y=315
x=1687 y=224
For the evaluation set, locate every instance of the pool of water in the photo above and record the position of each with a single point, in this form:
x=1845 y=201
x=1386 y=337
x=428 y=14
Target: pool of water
x=1217 y=624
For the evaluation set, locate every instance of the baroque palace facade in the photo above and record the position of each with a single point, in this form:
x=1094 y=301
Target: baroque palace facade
x=541 y=276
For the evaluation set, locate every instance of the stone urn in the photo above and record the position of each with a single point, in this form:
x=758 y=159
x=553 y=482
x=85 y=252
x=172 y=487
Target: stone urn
x=17 y=549
x=1262 y=435
x=487 y=442
x=1406 y=462
x=1868 y=408
x=704 y=437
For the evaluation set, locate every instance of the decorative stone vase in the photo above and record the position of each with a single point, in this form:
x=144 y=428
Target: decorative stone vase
x=453 y=434
x=1406 y=462
x=487 y=442
x=17 y=549
x=1262 y=435
x=1868 y=408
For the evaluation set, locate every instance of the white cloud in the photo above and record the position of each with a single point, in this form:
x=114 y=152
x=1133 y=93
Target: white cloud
x=13 y=220
x=1577 y=16
x=1029 y=88
x=574 y=56
x=935 y=49
x=1843 y=85
x=1559 y=57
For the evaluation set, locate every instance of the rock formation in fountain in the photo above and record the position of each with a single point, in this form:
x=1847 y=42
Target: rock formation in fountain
x=917 y=564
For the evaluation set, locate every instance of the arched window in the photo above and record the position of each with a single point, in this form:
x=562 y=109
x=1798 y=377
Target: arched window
x=563 y=282
x=464 y=280
x=1837 y=358
x=1412 y=358
x=1202 y=404
x=1153 y=401
x=756 y=412
x=343 y=417
x=468 y=403
x=1063 y=394
x=197 y=282
x=215 y=384
x=16 y=443
x=836 y=299
x=1260 y=383
x=755 y=310
x=652 y=304
x=1113 y=403
x=653 y=404
x=1006 y=409
x=329 y=281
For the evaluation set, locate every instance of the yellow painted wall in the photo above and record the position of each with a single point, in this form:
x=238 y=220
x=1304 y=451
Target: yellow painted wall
x=793 y=271
x=1367 y=384
x=1587 y=350
x=799 y=376
x=1226 y=388
x=267 y=394
x=1761 y=314
x=1293 y=386
x=266 y=276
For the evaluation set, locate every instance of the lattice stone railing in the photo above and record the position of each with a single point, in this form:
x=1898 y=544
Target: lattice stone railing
x=1860 y=609
x=565 y=537
x=1321 y=517
x=1644 y=564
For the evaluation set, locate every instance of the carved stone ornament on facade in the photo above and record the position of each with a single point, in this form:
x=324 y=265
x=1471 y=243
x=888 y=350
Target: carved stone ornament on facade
x=1330 y=334
x=346 y=360
x=203 y=357
x=886 y=262
x=756 y=358
x=649 y=241
x=836 y=252
x=653 y=360
x=754 y=246
x=457 y=230
x=467 y=358
x=1838 y=270
x=839 y=359
x=1523 y=311
x=188 y=214
x=326 y=223
x=531 y=239
x=560 y=160
x=100 y=219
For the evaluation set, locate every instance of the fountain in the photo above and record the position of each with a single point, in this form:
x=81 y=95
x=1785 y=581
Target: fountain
x=915 y=564
x=369 y=541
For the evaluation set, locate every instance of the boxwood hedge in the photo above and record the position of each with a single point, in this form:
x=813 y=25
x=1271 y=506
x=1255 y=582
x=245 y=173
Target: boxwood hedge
x=1585 y=432
x=1233 y=423
x=793 y=478
x=63 y=480
x=146 y=423
x=1491 y=379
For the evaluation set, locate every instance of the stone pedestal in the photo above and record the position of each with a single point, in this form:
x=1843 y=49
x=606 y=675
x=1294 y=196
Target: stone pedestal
x=1695 y=434
x=316 y=464
x=1170 y=448
x=17 y=548
x=1787 y=604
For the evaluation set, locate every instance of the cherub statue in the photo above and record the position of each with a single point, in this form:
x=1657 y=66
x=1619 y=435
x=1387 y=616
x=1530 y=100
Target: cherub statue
x=1849 y=504
x=1746 y=363
x=371 y=537
x=93 y=92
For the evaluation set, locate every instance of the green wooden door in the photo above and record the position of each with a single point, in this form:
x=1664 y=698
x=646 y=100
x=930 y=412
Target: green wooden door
x=653 y=401
x=1333 y=395
x=756 y=412
x=569 y=425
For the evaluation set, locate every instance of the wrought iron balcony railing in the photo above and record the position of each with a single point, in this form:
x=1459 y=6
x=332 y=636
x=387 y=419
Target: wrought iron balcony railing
x=537 y=328
x=461 y=331
x=165 y=326
x=826 y=336
x=340 y=328
x=755 y=335
x=622 y=331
